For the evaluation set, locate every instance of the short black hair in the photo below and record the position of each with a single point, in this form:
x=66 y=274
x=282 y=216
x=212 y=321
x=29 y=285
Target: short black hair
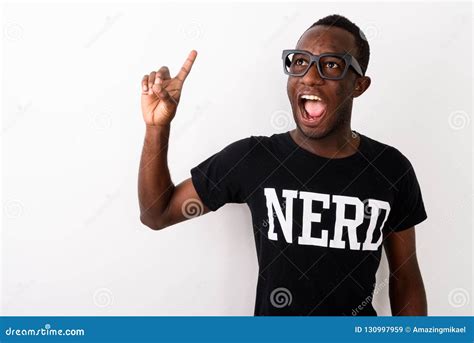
x=362 y=45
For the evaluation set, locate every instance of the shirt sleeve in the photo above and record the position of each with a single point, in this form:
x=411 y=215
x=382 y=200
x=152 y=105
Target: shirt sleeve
x=408 y=209
x=220 y=179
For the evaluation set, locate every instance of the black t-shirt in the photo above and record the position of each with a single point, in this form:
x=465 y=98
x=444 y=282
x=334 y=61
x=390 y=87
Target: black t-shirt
x=318 y=222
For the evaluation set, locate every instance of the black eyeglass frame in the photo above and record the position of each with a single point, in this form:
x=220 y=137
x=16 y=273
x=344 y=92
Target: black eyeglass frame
x=350 y=60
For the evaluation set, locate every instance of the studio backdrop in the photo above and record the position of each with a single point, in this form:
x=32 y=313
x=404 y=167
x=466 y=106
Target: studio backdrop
x=72 y=240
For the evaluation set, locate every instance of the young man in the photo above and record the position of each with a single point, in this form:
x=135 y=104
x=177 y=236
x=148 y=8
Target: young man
x=323 y=197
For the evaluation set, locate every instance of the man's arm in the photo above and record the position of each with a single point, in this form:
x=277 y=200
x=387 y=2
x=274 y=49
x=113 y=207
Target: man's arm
x=406 y=289
x=161 y=202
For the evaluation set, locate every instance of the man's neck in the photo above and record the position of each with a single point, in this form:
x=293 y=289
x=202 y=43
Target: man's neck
x=339 y=144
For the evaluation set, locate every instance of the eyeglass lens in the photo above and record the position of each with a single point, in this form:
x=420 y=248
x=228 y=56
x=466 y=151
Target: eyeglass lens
x=330 y=66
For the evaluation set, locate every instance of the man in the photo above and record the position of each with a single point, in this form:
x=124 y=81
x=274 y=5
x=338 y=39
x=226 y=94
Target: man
x=324 y=199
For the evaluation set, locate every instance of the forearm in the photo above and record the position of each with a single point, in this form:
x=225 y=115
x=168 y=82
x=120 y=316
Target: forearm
x=155 y=187
x=407 y=296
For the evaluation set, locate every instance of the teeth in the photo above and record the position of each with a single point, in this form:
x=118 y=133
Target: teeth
x=310 y=97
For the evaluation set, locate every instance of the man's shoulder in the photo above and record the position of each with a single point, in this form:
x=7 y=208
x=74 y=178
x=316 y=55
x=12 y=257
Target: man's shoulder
x=380 y=153
x=256 y=143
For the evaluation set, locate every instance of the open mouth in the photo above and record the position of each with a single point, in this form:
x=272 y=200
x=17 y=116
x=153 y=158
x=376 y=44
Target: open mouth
x=312 y=108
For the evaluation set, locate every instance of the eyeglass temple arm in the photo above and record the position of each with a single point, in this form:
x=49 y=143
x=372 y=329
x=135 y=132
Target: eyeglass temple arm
x=356 y=66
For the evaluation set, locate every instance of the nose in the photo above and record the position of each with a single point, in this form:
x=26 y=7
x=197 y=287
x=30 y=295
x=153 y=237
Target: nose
x=312 y=76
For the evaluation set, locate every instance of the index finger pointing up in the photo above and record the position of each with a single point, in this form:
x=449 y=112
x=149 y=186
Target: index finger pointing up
x=186 y=68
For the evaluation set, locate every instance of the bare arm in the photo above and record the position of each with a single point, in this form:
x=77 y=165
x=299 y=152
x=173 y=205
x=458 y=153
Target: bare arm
x=161 y=202
x=406 y=289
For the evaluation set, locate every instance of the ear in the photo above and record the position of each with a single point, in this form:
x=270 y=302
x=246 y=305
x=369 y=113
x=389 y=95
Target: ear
x=361 y=85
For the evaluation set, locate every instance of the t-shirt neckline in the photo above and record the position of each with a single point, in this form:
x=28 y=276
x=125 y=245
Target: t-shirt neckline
x=355 y=156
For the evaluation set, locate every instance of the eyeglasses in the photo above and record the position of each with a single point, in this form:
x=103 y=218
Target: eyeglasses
x=331 y=66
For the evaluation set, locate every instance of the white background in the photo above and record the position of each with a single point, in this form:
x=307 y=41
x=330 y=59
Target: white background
x=72 y=241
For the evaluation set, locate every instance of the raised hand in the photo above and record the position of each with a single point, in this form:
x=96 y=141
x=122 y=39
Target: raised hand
x=161 y=93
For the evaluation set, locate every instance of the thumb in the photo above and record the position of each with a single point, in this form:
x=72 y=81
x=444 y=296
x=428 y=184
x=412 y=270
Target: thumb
x=162 y=94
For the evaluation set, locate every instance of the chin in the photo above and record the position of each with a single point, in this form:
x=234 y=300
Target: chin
x=315 y=132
